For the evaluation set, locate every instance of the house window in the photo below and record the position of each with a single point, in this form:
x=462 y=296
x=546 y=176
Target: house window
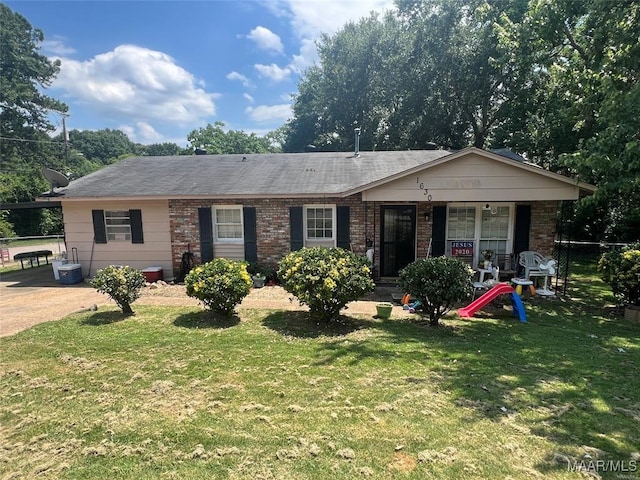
x=320 y=222
x=462 y=223
x=494 y=229
x=228 y=224
x=479 y=227
x=118 y=225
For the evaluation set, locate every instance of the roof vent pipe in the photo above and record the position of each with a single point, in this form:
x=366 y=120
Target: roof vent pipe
x=356 y=131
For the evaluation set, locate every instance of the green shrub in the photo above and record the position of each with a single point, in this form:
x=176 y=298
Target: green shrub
x=6 y=228
x=122 y=284
x=220 y=284
x=325 y=279
x=621 y=270
x=438 y=283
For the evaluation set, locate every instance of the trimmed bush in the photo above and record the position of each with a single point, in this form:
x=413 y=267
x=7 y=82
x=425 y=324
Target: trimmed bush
x=325 y=279
x=122 y=284
x=438 y=283
x=220 y=284
x=621 y=270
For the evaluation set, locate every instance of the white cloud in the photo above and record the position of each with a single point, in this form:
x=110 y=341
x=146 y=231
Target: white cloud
x=309 y=20
x=265 y=39
x=273 y=72
x=55 y=46
x=241 y=78
x=268 y=113
x=248 y=97
x=137 y=83
x=142 y=132
x=308 y=56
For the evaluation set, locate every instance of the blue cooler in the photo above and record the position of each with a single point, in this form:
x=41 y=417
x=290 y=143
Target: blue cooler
x=70 y=274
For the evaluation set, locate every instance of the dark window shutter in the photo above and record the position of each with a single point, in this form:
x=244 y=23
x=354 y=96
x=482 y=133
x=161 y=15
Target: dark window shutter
x=343 y=236
x=99 y=228
x=439 y=240
x=135 y=216
x=296 y=237
x=250 y=234
x=206 y=234
x=523 y=225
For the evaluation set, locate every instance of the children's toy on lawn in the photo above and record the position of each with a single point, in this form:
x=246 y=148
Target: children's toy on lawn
x=414 y=306
x=407 y=304
x=499 y=289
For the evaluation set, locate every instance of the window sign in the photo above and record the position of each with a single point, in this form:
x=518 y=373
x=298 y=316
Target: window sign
x=461 y=248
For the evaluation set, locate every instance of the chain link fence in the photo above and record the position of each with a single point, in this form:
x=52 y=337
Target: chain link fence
x=572 y=256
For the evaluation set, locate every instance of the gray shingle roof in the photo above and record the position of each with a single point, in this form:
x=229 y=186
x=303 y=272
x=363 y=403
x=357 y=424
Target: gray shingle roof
x=268 y=175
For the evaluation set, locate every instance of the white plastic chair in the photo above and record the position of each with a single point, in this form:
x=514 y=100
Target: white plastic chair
x=531 y=261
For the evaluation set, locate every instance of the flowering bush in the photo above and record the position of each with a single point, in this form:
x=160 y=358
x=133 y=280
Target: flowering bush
x=325 y=279
x=437 y=283
x=621 y=270
x=122 y=284
x=220 y=284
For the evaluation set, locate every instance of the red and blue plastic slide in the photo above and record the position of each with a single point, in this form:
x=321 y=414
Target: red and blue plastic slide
x=492 y=294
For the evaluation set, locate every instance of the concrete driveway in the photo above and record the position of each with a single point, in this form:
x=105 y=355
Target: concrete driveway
x=32 y=296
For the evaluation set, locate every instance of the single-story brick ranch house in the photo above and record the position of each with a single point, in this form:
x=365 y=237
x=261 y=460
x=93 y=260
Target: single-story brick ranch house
x=149 y=211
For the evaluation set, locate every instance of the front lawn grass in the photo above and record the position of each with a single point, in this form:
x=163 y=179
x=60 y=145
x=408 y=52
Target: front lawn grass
x=175 y=393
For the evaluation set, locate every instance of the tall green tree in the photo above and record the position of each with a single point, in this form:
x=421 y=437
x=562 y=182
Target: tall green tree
x=25 y=147
x=356 y=85
x=435 y=71
x=216 y=140
x=588 y=120
x=463 y=72
x=161 y=149
x=105 y=146
x=23 y=72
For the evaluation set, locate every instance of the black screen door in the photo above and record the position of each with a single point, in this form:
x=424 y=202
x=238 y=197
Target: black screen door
x=398 y=238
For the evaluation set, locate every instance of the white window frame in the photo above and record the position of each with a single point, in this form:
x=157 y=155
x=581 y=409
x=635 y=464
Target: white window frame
x=478 y=226
x=214 y=212
x=316 y=240
x=117 y=232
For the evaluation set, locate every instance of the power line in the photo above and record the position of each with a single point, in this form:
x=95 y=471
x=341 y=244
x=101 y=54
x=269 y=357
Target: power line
x=32 y=141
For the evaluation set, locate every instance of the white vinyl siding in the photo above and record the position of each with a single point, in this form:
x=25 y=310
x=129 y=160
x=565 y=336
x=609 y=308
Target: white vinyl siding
x=155 y=251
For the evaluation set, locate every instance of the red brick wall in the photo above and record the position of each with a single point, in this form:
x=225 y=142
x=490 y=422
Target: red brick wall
x=543 y=226
x=272 y=223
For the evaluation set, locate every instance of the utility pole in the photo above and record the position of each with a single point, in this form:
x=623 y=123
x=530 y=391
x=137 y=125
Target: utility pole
x=65 y=134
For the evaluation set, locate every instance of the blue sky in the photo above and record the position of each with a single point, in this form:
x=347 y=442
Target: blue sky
x=159 y=69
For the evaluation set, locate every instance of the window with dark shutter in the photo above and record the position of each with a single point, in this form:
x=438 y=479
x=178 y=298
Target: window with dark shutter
x=523 y=225
x=99 y=229
x=135 y=217
x=297 y=228
x=250 y=234
x=206 y=234
x=343 y=227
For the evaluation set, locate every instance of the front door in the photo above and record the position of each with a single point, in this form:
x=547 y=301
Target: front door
x=397 y=238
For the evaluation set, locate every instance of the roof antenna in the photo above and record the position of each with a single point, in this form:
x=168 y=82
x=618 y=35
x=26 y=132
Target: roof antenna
x=356 y=131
